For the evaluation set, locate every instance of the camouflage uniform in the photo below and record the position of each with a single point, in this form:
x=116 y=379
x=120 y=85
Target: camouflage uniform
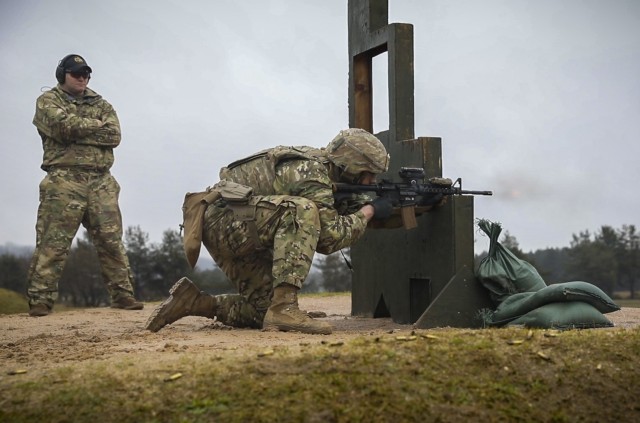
x=78 y=137
x=295 y=216
x=264 y=238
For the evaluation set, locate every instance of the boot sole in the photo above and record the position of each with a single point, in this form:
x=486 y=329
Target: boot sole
x=155 y=323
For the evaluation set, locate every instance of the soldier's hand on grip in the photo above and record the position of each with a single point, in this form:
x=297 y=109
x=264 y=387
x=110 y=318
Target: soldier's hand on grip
x=382 y=208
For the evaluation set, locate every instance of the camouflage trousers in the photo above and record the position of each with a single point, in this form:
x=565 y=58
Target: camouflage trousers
x=69 y=198
x=288 y=229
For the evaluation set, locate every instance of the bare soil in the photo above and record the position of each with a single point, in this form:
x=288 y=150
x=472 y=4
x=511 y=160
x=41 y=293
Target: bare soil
x=66 y=338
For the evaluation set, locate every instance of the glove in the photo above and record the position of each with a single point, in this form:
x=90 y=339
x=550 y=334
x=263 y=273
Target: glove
x=382 y=208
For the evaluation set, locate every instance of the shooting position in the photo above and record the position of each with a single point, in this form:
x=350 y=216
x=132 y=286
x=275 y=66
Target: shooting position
x=264 y=221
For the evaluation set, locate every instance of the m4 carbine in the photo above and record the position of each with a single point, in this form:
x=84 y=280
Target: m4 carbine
x=411 y=193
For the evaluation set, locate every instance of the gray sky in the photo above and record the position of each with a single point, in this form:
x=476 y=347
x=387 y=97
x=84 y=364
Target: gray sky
x=537 y=100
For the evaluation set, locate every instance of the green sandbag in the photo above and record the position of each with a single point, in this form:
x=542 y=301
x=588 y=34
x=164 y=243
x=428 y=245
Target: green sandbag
x=501 y=272
x=572 y=315
x=577 y=291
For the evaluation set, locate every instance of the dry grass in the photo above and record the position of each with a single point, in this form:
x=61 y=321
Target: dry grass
x=428 y=375
x=635 y=303
x=11 y=302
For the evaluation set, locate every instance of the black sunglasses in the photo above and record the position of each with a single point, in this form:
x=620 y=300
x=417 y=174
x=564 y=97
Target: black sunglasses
x=78 y=75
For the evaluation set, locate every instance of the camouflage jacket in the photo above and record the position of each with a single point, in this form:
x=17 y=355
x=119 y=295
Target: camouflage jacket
x=76 y=132
x=303 y=172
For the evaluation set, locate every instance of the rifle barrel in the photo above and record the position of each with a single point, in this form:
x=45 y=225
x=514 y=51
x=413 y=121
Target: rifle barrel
x=420 y=189
x=477 y=192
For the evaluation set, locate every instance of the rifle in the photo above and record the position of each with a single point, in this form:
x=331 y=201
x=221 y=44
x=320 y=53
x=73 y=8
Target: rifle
x=412 y=192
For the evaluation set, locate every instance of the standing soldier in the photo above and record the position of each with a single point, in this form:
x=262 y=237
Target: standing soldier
x=277 y=208
x=79 y=130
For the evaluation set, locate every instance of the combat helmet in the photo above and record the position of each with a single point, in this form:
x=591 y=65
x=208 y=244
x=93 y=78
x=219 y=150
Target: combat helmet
x=355 y=151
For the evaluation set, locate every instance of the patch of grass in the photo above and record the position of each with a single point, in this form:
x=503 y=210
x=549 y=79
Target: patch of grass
x=635 y=303
x=508 y=374
x=12 y=302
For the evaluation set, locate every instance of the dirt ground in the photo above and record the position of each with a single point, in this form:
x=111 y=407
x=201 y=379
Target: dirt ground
x=66 y=338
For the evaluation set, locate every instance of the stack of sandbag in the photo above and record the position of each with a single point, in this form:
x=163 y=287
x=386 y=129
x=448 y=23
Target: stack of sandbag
x=523 y=298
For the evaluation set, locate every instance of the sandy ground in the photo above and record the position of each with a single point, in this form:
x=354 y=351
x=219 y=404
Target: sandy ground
x=65 y=338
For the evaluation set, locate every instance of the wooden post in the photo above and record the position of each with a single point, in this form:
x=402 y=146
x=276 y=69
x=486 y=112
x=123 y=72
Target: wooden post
x=424 y=275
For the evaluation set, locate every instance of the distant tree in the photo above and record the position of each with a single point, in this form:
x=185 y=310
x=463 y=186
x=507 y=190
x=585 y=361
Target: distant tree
x=550 y=263
x=313 y=282
x=334 y=273
x=136 y=242
x=169 y=264
x=593 y=260
x=628 y=258
x=81 y=284
x=511 y=243
x=213 y=281
x=13 y=272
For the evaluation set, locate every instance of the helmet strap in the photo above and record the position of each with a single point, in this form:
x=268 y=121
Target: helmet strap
x=349 y=177
x=334 y=172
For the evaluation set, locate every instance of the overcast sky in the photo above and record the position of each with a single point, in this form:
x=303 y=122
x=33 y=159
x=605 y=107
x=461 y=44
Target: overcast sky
x=537 y=100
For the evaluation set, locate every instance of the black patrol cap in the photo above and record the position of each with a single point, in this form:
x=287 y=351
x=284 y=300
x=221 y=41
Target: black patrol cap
x=74 y=63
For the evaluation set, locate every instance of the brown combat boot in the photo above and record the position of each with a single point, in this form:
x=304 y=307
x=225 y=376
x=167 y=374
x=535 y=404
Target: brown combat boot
x=127 y=303
x=185 y=299
x=284 y=314
x=39 y=310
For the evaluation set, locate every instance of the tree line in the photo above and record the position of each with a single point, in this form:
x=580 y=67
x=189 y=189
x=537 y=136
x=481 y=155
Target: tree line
x=608 y=258
x=155 y=267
